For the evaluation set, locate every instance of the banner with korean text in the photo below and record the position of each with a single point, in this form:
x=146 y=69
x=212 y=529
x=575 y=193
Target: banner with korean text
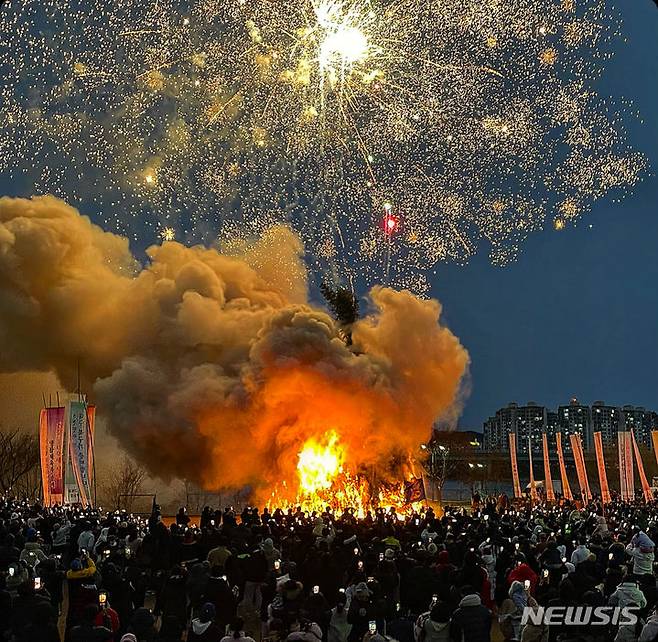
x=51 y=446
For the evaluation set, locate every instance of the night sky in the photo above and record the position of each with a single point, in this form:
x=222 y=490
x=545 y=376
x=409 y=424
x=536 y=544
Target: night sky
x=577 y=314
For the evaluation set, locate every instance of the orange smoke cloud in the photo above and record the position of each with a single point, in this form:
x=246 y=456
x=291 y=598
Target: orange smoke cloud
x=217 y=368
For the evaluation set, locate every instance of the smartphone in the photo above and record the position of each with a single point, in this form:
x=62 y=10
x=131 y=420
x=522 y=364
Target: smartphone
x=398 y=606
x=316 y=589
x=12 y=570
x=102 y=599
x=564 y=560
x=341 y=590
x=83 y=551
x=225 y=577
x=212 y=522
x=127 y=553
x=610 y=556
x=360 y=565
x=381 y=557
x=527 y=584
x=545 y=572
x=486 y=517
x=356 y=550
x=372 y=627
x=516 y=546
x=277 y=565
x=435 y=599
x=37 y=583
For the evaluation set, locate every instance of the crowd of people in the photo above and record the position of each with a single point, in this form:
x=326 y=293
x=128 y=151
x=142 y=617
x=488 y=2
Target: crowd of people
x=325 y=577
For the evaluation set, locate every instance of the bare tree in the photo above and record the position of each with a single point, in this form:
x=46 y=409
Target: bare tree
x=123 y=483
x=19 y=455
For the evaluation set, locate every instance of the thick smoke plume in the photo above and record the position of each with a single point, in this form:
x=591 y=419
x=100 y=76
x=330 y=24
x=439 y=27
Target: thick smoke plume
x=211 y=367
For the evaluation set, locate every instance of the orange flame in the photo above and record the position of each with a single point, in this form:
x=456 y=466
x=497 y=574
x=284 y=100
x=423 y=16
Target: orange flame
x=322 y=482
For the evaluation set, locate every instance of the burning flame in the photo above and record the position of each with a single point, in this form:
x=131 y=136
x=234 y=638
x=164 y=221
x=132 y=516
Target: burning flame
x=319 y=464
x=323 y=482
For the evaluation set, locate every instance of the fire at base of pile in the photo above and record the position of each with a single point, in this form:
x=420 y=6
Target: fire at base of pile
x=322 y=482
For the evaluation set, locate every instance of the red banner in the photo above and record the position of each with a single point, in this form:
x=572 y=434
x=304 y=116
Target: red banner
x=581 y=471
x=533 y=488
x=548 y=480
x=566 y=490
x=515 y=466
x=626 y=481
x=51 y=445
x=654 y=441
x=646 y=489
x=600 y=464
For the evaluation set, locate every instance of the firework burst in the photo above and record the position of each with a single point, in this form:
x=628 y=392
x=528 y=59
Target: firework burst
x=474 y=121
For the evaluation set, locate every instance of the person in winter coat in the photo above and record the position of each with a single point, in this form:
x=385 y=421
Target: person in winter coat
x=471 y=622
x=87 y=630
x=511 y=611
x=649 y=631
x=532 y=632
x=42 y=626
x=236 y=632
x=362 y=611
x=86 y=540
x=32 y=553
x=434 y=626
x=339 y=628
x=82 y=589
x=628 y=593
x=203 y=628
x=641 y=550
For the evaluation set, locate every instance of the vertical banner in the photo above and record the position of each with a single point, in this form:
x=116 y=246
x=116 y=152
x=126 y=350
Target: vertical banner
x=654 y=441
x=515 y=466
x=79 y=448
x=548 y=480
x=51 y=446
x=579 y=460
x=600 y=464
x=646 y=489
x=533 y=488
x=626 y=481
x=91 y=427
x=566 y=490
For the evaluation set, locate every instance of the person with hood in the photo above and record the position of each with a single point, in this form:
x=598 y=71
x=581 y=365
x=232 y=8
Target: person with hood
x=471 y=622
x=434 y=626
x=307 y=631
x=641 y=550
x=32 y=553
x=204 y=628
x=339 y=628
x=511 y=611
x=236 y=632
x=86 y=540
x=82 y=589
x=271 y=553
x=628 y=593
x=362 y=611
x=532 y=632
x=649 y=631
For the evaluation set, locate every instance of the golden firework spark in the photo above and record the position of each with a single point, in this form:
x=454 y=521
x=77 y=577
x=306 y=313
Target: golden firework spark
x=476 y=117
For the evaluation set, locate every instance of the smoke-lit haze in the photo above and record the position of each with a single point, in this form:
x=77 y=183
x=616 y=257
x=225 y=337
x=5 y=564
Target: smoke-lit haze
x=211 y=367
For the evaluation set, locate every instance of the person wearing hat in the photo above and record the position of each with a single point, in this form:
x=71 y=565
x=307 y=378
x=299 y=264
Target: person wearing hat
x=203 y=628
x=82 y=589
x=362 y=611
x=471 y=622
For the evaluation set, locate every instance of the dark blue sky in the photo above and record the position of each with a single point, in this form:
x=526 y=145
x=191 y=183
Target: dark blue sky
x=577 y=315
